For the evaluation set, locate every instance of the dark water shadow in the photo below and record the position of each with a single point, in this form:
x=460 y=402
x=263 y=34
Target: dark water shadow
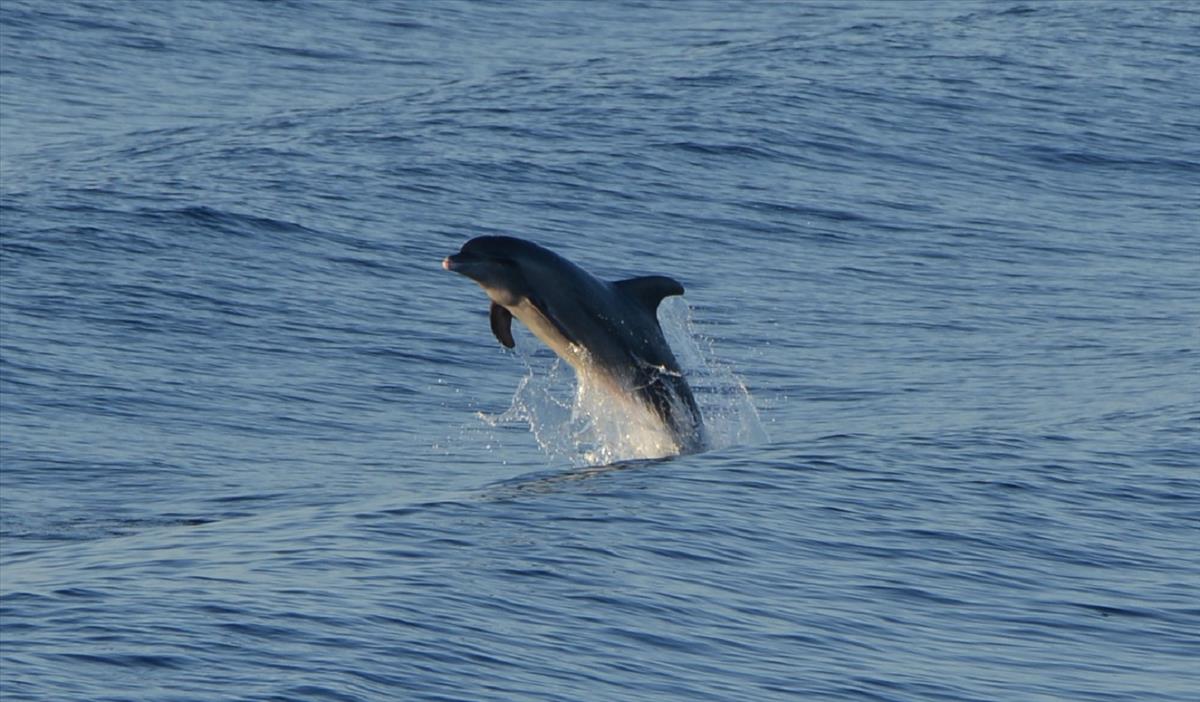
x=543 y=482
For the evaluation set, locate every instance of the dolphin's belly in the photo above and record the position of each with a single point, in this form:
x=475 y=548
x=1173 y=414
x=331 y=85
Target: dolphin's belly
x=549 y=334
x=599 y=360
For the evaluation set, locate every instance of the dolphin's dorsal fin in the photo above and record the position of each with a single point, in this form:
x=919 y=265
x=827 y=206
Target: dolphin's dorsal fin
x=501 y=320
x=649 y=290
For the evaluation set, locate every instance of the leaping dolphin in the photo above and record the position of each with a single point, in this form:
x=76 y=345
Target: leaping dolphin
x=606 y=331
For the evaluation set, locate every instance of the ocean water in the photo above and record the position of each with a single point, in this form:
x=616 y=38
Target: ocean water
x=942 y=264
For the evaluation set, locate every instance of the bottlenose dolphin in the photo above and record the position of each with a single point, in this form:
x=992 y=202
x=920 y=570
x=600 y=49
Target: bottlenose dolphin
x=607 y=331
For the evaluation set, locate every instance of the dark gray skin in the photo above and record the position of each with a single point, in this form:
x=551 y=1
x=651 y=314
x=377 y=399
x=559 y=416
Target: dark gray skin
x=607 y=331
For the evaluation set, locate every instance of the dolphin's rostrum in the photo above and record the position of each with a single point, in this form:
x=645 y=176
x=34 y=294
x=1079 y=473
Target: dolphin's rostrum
x=608 y=332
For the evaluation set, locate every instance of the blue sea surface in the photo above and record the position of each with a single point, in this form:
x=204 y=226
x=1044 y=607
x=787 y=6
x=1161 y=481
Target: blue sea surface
x=942 y=263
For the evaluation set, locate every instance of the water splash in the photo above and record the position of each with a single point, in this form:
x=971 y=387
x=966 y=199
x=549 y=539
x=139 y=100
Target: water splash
x=576 y=420
x=730 y=415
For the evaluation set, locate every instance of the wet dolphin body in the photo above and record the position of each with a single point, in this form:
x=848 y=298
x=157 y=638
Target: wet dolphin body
x=606 y=331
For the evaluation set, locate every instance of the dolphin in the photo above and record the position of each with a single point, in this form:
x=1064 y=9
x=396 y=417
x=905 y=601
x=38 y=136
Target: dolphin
x=606 y=331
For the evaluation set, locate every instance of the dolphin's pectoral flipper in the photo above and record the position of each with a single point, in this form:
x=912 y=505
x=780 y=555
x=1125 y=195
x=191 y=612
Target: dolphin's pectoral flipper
x=501 y=320
x=649 y=290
